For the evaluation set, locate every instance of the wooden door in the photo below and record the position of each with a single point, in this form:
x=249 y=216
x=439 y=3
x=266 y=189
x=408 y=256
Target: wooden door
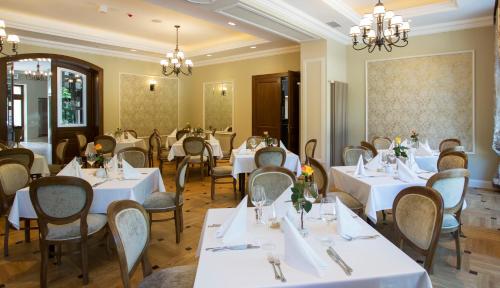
x=294 y=112
x=266 y=104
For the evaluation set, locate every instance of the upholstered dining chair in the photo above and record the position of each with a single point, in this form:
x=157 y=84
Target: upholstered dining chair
x=418 y=216
x=270 y=156
x=155 y=147
x=3 y=146
x=195 y=147
x=61 y=148
x=14 y=175
x=381 y=143
x=81 y=139
x=370 y=147
x=226 y=141
x=452 y=185
x=135 y=156
x=449 y=143
x=454 y=148
x=131 y=132
x=62 y=206
x=219 y=172
x=452 y=160
x=258 y=140
x=22 y=155
x=351 y=154
x=159 y=202
x=180 y=133
x=130 y=226
x=274 y=179
x=108 y=144
x=310 y=148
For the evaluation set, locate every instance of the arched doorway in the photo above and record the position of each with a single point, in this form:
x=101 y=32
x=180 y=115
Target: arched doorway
x=75 y=100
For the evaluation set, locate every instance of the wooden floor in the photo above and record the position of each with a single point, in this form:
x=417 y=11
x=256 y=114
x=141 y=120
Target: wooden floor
x=480 y=246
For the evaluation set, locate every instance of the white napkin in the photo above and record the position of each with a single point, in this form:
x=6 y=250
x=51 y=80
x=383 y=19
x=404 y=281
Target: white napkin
x=130 y=172
x=283 y=203
x=346 y=224
x=130 y=136
x=360 y=167
x=412 y=163
x=298 y=253
x=392 y=145
x=71 y=169
x=173 y=133
x=405 y=143
x=234 y=228
x=424 y=149
x=374 y=163
x=405 y=173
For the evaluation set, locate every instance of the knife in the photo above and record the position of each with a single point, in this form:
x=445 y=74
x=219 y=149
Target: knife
x=339 y=261
x=233 y=247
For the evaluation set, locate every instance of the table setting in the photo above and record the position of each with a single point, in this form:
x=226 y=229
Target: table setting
x=123 y=140
x=177 y=149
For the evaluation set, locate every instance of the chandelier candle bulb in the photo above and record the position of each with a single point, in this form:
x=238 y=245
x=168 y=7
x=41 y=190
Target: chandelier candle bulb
x=397 y=20
x=355 y=31
x=13 y=38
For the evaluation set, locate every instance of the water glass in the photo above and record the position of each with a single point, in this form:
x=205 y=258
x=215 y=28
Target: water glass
x=120 y=160
x=328 y=212
x=91 y=158
x=258 y=200
x=311 y=192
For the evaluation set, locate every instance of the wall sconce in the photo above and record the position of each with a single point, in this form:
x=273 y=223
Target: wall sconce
x=223 y=91
x=152 y=84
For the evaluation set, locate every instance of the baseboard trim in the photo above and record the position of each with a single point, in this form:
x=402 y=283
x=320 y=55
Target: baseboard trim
x=476 y=183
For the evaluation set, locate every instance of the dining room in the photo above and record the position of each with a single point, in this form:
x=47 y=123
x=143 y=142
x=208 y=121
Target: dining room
x=237 y=143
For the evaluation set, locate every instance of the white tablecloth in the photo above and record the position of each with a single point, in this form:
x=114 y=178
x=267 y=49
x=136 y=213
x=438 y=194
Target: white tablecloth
x=40 y=165
x=177 y=150
x=376 y=193
x=427 y=162
x=376 y=262
x=104 y=194
x=245 y=162
x=120 y=144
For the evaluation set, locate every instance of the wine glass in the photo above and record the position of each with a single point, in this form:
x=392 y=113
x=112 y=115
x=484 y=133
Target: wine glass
x=252 y=143
x=120 y=160
x=258 y=200
x=275 y=142
x=79 y=161
x=327 y=210
x=311 y=192
x=91 y=158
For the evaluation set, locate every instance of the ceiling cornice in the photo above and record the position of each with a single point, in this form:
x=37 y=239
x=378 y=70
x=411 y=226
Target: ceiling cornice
x=452 y=26
x=341 y=7
x=443 y=7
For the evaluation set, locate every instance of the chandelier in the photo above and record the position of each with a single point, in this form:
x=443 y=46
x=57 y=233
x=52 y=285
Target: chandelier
x=12 y=39
x=390 y=31
x=38 y=74
x=176 y=62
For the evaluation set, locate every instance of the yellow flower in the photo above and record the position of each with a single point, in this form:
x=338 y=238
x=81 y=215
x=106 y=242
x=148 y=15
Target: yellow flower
x=397 y=140
x=307 y=170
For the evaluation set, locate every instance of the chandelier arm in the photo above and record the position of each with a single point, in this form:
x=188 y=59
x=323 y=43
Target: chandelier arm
x=388 y=48
x=359 y=49
x=372 y=48
x=401 y=46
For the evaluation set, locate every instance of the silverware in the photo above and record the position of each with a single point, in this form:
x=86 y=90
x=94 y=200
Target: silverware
x=214 y=225
x=270 y=259
x=336 y=257
x=350 y=238
x=99 y=183
x=233 y=247
x=277 y=262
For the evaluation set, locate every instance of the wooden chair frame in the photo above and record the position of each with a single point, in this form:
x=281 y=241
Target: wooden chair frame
x=313 y=142
x=352 y=147
x=449 y=140
x=214 y=177
x=106 y=138
x=269 y=149
x=322 y=172
x=402 y=239
x=370 y=147
x=137 y=149
x=6 y=153
x=453 y=153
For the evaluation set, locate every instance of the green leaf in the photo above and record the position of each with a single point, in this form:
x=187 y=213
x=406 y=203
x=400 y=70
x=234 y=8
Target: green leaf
x=307 y=206
x=295 y=197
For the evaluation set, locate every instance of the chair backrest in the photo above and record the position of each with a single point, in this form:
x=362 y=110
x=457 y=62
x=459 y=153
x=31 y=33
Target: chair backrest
x=370 y=147
x=81 y=139
x=257 y=139
x=310 y=148
x=22 y=155
x=210 y=154
x=180 y=133
x=61 y=148
x=193 y=146
x=381 y=143
x=180 y=180
x=135 y=156
x=270 y=156
x=153 y=143
x=454 y=148
x=226 y=141
x=418 y=216
x=129 y=225
x=131 y=132
x=14 y=175
x=452 y=185
x=448 y=143
x=3 y=146
x=61 y=200
x=107 y=142
x=275 y=181
x=320 y=176
x=452 y=160
x=351 y=154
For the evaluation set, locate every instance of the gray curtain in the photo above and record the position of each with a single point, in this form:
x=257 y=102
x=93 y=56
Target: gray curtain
x=338 y=121
x=496 y=132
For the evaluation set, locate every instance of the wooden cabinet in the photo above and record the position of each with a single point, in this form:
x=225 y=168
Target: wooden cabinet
x=275 y=107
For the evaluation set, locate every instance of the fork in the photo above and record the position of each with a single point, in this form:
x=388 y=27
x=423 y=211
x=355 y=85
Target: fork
x=350 y=238
x=270 y=258
x=277 y=262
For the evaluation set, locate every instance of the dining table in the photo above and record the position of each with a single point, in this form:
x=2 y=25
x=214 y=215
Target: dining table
x=426 y=161
x=120 y=144
x=375 y=262
x=40 y=166
x=106 y=190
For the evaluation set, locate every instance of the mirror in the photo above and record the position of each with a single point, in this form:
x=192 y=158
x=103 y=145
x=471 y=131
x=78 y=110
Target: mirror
x=71 y=98
x=218 y=104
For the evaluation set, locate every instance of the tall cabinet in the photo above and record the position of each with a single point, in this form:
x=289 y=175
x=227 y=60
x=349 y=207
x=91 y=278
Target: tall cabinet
x=275 y=107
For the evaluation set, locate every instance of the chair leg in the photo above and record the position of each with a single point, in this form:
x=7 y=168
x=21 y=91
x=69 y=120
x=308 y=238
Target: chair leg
x=161 y=167
x=27 y=228
x=85 y=263
x=383 y=215
x=212 y=188
x=177 y=227
x=456 y=235
x=181 y=219
x=44 y=252
x=6 y=237
x=58 y=254
x=234 y=188
x=150 y=223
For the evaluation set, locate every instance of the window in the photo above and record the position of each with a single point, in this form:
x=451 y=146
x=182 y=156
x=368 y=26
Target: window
x=18 y=112
x=71 y=98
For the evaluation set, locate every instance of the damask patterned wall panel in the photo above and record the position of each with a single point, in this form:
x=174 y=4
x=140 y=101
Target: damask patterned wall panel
x=432 y=95
x=218 y=102
x=142 y=109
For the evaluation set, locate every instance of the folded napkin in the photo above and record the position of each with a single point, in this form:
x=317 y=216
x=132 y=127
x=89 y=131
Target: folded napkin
x=130 y=136
x=346 y=224
x=71 y=169
x=405 y=173
x=392 y=145
x=283 y=203
x=234 y=228
x=424 y=149
x=360 y=167
x=405 y=143
x=173 y=133
x=130 y=172
x=375 y=163
x=298 y=253
x=412 y=163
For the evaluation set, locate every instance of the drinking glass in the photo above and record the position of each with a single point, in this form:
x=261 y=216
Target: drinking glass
x=258 y=199
x=91 y=158
x=311 y=192
x=120 y=161
x=252 y=143
x=275 y=142
x=327 y=210
x=79 y=161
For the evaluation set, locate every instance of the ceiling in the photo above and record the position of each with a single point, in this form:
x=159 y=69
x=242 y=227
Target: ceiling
x=143 y=29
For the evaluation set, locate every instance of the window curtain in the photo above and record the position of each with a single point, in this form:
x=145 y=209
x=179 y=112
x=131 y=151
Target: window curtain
x=338 y=125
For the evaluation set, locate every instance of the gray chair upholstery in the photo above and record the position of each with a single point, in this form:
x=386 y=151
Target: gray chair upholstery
x=108 y=144
x=275 y=181
x=381 y=143
x=257 y=139
x=226 y=141
x=351 y=155
x=195 y=147
x=219 y=172
x=135 y=156
x=270 y=156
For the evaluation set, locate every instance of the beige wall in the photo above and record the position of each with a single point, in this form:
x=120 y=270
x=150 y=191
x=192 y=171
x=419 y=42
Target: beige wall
x=482 y=164
x=240 y=72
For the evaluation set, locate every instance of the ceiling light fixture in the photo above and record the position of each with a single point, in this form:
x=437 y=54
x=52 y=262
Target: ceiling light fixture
x=38 y=74
x=209 y=55
x=11 y=38
x=253 y=47
x=393 y=34
x=231 y=23
x=176 y=60
x=133 y=50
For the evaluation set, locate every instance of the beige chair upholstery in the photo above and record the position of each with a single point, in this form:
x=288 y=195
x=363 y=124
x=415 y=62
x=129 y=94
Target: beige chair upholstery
x=452 y=160
x=310 y=148
x=275 y=181
x=108 y=144
x=81 y=139
x=320 y=176
x=351 y=154
x=381 y=143
x=135 y=156
x=23 y=155
x=130 y=226
x=452 y=185
x=219 y=172
x=418 y=215
x=449 y=143
x=195 y=147
x=270 y=156
x=226 y=140
x=61 y=148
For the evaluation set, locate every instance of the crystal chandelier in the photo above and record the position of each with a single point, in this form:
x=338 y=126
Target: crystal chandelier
x=12 y=39
x=390 y=31
x=176 y=62
x=38 y=74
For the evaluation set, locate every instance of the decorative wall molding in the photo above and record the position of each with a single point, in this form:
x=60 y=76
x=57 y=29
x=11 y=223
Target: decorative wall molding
x=251 y=55
x=434 y=8
x=344 y=9
x=452 y=26
x=231 y=82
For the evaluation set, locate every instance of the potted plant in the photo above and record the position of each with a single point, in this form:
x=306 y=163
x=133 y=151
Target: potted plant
x=304 y=194
x=414 y=138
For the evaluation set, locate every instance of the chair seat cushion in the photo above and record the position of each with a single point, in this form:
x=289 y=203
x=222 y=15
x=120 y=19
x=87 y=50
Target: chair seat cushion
x=347 y=199
x=72 y=230
x=160 y=200
x=175 y=277
x=223 y=170
x=196 y=159
x=449 y=223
